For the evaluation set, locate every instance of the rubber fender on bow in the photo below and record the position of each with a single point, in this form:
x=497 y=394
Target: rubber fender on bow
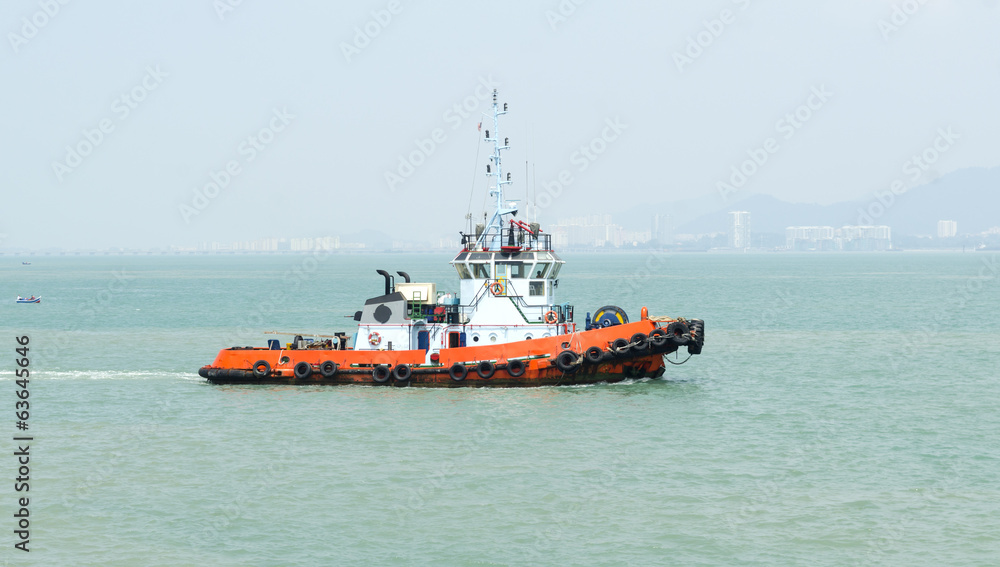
x=639 y=342
x=676 y=328
x=566 y=361
x=593 y=355
x=698 y=330
x=620 y=347
x=658 y=338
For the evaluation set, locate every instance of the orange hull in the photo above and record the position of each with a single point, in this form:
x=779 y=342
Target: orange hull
x=539 y=358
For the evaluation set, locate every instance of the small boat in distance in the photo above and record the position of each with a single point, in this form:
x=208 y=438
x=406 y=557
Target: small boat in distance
x=25 y=263
x=31 y=299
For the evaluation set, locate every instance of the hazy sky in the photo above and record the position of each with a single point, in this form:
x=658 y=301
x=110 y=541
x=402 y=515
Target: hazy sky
x=309 y=105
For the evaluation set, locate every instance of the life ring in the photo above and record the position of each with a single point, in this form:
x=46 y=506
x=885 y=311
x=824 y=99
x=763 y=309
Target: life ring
x=551 y=317
x=496 y=288
x=516 y=368
x=458 y=372
x=261 y=369
x=302 y=370
x=374 y=338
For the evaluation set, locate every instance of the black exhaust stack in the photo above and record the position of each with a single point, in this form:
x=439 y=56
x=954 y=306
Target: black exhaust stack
x=405 y=276
x=388 y=280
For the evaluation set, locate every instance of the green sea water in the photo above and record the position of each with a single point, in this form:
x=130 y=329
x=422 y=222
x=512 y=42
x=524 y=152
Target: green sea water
x=844 y=412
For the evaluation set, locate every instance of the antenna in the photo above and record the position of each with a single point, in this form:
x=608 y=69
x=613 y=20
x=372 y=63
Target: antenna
x=491 y=236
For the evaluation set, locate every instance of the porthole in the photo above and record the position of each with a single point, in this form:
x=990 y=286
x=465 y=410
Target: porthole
x=493 y=337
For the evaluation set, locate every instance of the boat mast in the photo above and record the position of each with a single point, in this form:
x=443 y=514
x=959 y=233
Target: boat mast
x=493 y=231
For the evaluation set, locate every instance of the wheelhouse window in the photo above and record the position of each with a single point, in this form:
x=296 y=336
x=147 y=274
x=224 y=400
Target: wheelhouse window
x=481 y=271
x=555 y=270
x=536 y=288
x=463 y=272
x=517 y=270
x=541 y=270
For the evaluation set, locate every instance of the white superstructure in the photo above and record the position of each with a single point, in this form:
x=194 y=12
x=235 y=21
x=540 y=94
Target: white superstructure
x=507 y=273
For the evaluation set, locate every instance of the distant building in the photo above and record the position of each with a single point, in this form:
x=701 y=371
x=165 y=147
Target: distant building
x=739 y=230
x=864 y=238
x=594 y=230
x=851 y=238
x=947 y=228
x=804 y=238
x=660 y=229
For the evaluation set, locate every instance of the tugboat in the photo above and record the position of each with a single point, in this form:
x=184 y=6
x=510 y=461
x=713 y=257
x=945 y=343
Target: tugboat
x=504 y=327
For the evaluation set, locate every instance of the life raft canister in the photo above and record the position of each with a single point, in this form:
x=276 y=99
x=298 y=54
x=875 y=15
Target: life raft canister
x=374 y=339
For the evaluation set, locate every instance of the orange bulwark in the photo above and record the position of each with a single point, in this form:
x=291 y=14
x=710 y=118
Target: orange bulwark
x=608 y=354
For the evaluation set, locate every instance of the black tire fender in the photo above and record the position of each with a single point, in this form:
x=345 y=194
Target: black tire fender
x=566 y=361
x=516 y=368
x=261 y=369
x=594 y=355
x=658 y=338
x=328 y=369
x=381 y=373
x=485 y=369
x=402 y=372
x=302 y=370
x=640 y=342
x=458 y=372
x=620 y=347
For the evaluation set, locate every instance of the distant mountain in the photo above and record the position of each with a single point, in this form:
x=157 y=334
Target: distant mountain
x=971 y=197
